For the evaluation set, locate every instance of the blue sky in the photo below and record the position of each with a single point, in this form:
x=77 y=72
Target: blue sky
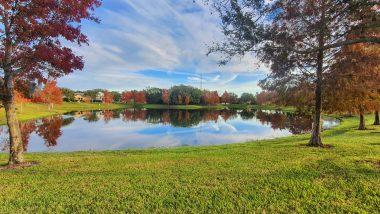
x=158 y=43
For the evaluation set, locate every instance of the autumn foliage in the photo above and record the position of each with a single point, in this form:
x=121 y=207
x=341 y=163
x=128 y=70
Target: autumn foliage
x=266 y=97
x=20 y=98
x=127 y=96
x=353 y=83
x=210 y=97
x=165 y=96
x=225 y=98
x=107 y=97
x=50 y=94
x=138 y=97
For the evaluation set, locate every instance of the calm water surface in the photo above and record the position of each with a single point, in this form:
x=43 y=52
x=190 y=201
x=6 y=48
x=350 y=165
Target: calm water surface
x=123 y=129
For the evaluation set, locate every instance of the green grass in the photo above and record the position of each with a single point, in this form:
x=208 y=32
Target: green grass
x=28 y=111
x=272 y=176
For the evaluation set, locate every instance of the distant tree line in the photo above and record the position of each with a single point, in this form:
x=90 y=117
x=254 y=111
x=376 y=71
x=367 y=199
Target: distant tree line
x=185 y=95
x=51 y=94
x=176 y=95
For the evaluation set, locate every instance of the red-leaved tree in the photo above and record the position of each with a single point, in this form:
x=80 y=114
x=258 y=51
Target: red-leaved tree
x=32 y=49
x=108 y=97
x=140 y=97
x=126 y=96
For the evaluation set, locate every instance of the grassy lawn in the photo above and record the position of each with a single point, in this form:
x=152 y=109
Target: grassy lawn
x=28 y=111
x=273 y=176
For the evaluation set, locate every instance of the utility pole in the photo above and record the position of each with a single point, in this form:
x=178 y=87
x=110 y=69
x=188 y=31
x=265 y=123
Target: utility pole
x=201 y=81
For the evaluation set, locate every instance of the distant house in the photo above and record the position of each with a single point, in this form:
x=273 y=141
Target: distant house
x=81 y=98
x=99 y=97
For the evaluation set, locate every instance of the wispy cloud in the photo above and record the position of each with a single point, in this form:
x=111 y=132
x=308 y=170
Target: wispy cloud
x=162 y=35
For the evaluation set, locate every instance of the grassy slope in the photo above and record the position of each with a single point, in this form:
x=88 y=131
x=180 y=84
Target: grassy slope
x=30 y=111
x=280 y=175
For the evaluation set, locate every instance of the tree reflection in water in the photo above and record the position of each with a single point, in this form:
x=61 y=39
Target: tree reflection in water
x=27 y=128
x=50 y=130
x=296 y=124
x=107 y=115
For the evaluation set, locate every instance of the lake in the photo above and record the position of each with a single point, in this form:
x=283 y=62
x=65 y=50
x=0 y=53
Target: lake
x=127 y=128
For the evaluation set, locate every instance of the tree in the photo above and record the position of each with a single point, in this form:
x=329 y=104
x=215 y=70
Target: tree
x=266 y=97
x=116 y=96
x=165 y=96
x=51 y=94
x=21 y=99
x=153 y=95
x=108 y=97
x=187 y=100
x=210 y=97
x=352 y=84
x=377 y=118
x=234 y=99
x=180 y=99
x=32 y=49
x=207 y=97
x=126 y=96
x=178 y=94
x=296 y=38
x=225 y=98
x=247 y=98
x=139 y=97
x=68 y=95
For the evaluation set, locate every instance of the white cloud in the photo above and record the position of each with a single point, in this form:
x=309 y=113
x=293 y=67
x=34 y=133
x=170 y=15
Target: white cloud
x=165 y=35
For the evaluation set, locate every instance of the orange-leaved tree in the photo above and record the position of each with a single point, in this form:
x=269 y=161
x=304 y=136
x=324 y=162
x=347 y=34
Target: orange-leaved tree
x=165 y=96
x=51 y=94
x=20 y=98
x=225 y=98
x=353 y=82
x=140 y=97
x=107 y=97
x=126 y=96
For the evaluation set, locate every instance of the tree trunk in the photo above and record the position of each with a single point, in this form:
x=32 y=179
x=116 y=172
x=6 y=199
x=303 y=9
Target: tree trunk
x=15 y=140
x=362 y=122
x=377 y=119
x=316 y=135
